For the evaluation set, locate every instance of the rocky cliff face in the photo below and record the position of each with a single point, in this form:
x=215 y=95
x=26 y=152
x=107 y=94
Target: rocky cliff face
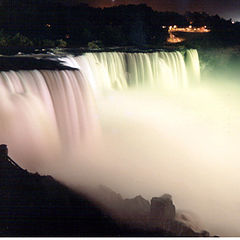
x=160 y=214
x=34 y=205
x=163 y=215
x=162 y=209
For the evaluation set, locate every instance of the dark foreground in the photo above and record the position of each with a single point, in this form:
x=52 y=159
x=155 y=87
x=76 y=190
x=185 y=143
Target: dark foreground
x=38 y=206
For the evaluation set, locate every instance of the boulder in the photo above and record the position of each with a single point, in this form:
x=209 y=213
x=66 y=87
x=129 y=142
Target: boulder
x=162 y=210
x=138 y=205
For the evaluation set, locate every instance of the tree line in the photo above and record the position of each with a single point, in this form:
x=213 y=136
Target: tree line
x=50 y=23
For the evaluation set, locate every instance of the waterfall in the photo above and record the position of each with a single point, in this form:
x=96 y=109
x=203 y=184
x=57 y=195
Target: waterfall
x=192 y=63
x=116 y=70
x=185 y=143
x=43 y=109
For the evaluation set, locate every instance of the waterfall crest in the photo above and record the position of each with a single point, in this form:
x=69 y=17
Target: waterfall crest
x=117 y=70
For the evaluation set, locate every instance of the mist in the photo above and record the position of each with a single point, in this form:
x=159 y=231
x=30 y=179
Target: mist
x=146 y=141
x=184 y=144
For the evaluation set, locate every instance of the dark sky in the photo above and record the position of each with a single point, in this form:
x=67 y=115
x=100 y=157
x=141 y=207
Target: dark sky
x=224 y=8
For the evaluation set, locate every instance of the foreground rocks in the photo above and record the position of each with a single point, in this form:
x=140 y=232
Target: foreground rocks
x=138 y=212
x=162 y=209
x=38 y=206
x=33 y=205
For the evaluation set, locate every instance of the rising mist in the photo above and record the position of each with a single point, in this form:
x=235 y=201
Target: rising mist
x=171 y=135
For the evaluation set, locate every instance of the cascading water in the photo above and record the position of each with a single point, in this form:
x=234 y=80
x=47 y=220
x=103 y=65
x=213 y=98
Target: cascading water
x=56 y=108
x=115 y=70
x=153 y=142
x=42 y=112
x=193 y=66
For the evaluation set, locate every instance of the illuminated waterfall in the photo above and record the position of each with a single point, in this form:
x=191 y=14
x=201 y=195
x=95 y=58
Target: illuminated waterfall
x=115 y=70
x=193 y=65
x=160 y=69
x=43 y=111
x=185 y=143
x=109 y=70
x=56 y=110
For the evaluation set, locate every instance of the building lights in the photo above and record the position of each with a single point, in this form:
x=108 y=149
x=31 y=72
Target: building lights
x=190 y=28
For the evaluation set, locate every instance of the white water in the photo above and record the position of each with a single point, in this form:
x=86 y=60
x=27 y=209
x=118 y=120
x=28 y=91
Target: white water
x=44 y=114
x=193 y=66
x=164 y=70
x=158 y=135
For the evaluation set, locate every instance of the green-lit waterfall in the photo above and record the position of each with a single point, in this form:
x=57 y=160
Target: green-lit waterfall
x=115 y=70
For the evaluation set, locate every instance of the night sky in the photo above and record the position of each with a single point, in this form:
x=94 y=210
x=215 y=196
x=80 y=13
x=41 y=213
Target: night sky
x=224 y=8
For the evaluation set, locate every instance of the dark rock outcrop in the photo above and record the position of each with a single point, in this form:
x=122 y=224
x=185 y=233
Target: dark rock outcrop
x=138 y=205
x=38 y=206
x=163 y=215
x=162 y=209
x=33 y=205
x=138 y=212
x=17 y=63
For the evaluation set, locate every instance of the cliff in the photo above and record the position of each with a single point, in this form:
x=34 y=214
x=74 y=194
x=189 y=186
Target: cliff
x=158 y=215
x=38 y=206
x=33 y=205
